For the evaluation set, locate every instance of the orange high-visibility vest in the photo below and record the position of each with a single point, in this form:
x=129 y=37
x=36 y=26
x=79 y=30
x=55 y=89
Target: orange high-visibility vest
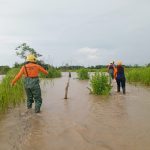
x=29 y=70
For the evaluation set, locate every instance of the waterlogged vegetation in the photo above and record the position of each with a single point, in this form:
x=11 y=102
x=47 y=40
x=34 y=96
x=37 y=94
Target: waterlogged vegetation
x=139 y=75
x=10 y=96
x=83 y=74
x=99 y=84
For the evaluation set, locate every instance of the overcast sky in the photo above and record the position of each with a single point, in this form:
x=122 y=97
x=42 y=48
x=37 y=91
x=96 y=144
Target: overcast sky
x=78 y=32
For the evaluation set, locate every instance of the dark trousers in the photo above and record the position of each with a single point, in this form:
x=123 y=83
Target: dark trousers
x=121 y=83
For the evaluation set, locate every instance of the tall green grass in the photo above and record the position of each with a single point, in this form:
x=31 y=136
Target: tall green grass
x=83 y=74
x=99 y=84
x=139 y=75
x=10 y=96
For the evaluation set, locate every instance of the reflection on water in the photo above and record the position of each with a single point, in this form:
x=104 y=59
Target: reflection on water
x=83 y=122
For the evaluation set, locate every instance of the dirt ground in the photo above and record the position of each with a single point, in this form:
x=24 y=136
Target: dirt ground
x=82 y=122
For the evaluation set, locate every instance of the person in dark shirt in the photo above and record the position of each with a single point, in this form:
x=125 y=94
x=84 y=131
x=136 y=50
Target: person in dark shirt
x=120 y=77
x=111 y=68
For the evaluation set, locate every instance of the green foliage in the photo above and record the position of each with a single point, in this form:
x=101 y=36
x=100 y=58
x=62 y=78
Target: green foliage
x=10 y=96
x=139 y=75
x=99 y=84
x=52 y=73
x=23 y=49
x=83 y=74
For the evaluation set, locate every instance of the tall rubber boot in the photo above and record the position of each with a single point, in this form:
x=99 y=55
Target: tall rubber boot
x=124 y=90
x=37 y=110
x=118 y=89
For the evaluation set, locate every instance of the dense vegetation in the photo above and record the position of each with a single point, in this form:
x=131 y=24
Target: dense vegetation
x=52 y=73
x=10 y=96
x=139 y=75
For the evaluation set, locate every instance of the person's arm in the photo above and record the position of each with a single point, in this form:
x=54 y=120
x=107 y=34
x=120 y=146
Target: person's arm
x=18 y=76
x=41 y=69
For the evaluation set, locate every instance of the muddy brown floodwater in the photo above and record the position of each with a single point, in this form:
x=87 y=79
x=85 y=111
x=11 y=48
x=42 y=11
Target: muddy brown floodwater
x=82 y=122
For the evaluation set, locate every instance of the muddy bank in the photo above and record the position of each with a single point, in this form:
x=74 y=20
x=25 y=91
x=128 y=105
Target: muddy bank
x=83 y=122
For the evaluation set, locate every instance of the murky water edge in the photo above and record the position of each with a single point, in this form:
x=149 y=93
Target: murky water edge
x=83 y=122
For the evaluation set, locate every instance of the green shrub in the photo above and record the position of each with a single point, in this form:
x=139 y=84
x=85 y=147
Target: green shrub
x=52 y=73
x=83 y=74
x=99 y=84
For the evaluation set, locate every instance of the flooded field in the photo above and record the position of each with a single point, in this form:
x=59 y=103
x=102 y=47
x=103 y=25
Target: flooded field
x=82 y=122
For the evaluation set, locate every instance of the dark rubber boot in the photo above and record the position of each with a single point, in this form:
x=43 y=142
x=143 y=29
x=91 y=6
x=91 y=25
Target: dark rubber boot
x=118 y=89
x=29 y=107
x=124 y=91
x=37 y=110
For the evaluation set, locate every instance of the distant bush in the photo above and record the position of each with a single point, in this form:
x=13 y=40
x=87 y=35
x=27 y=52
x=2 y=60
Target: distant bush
x=99 y=84
x=83 y=74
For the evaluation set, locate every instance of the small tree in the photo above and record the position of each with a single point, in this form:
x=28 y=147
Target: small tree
x=23 y=49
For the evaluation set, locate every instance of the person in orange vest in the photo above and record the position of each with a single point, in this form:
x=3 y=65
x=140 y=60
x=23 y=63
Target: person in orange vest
x=30 y=70
x=120 y=77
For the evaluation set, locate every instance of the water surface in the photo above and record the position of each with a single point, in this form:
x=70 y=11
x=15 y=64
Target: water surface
x=82 y=122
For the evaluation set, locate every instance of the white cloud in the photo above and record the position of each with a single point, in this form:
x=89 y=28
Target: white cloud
x=98 y=56
x=87 y=56
x=89 y=53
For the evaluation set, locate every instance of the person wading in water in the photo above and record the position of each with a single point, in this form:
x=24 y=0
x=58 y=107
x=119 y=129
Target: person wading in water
x=111 y=68
x=30 y=70
x=120 y=77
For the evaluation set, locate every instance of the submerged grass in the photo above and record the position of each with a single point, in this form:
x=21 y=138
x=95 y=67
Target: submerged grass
x=99 y=84
x=10 y=96
x=139 y=75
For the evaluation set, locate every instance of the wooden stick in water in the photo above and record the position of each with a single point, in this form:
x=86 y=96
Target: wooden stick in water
x=66 y=89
